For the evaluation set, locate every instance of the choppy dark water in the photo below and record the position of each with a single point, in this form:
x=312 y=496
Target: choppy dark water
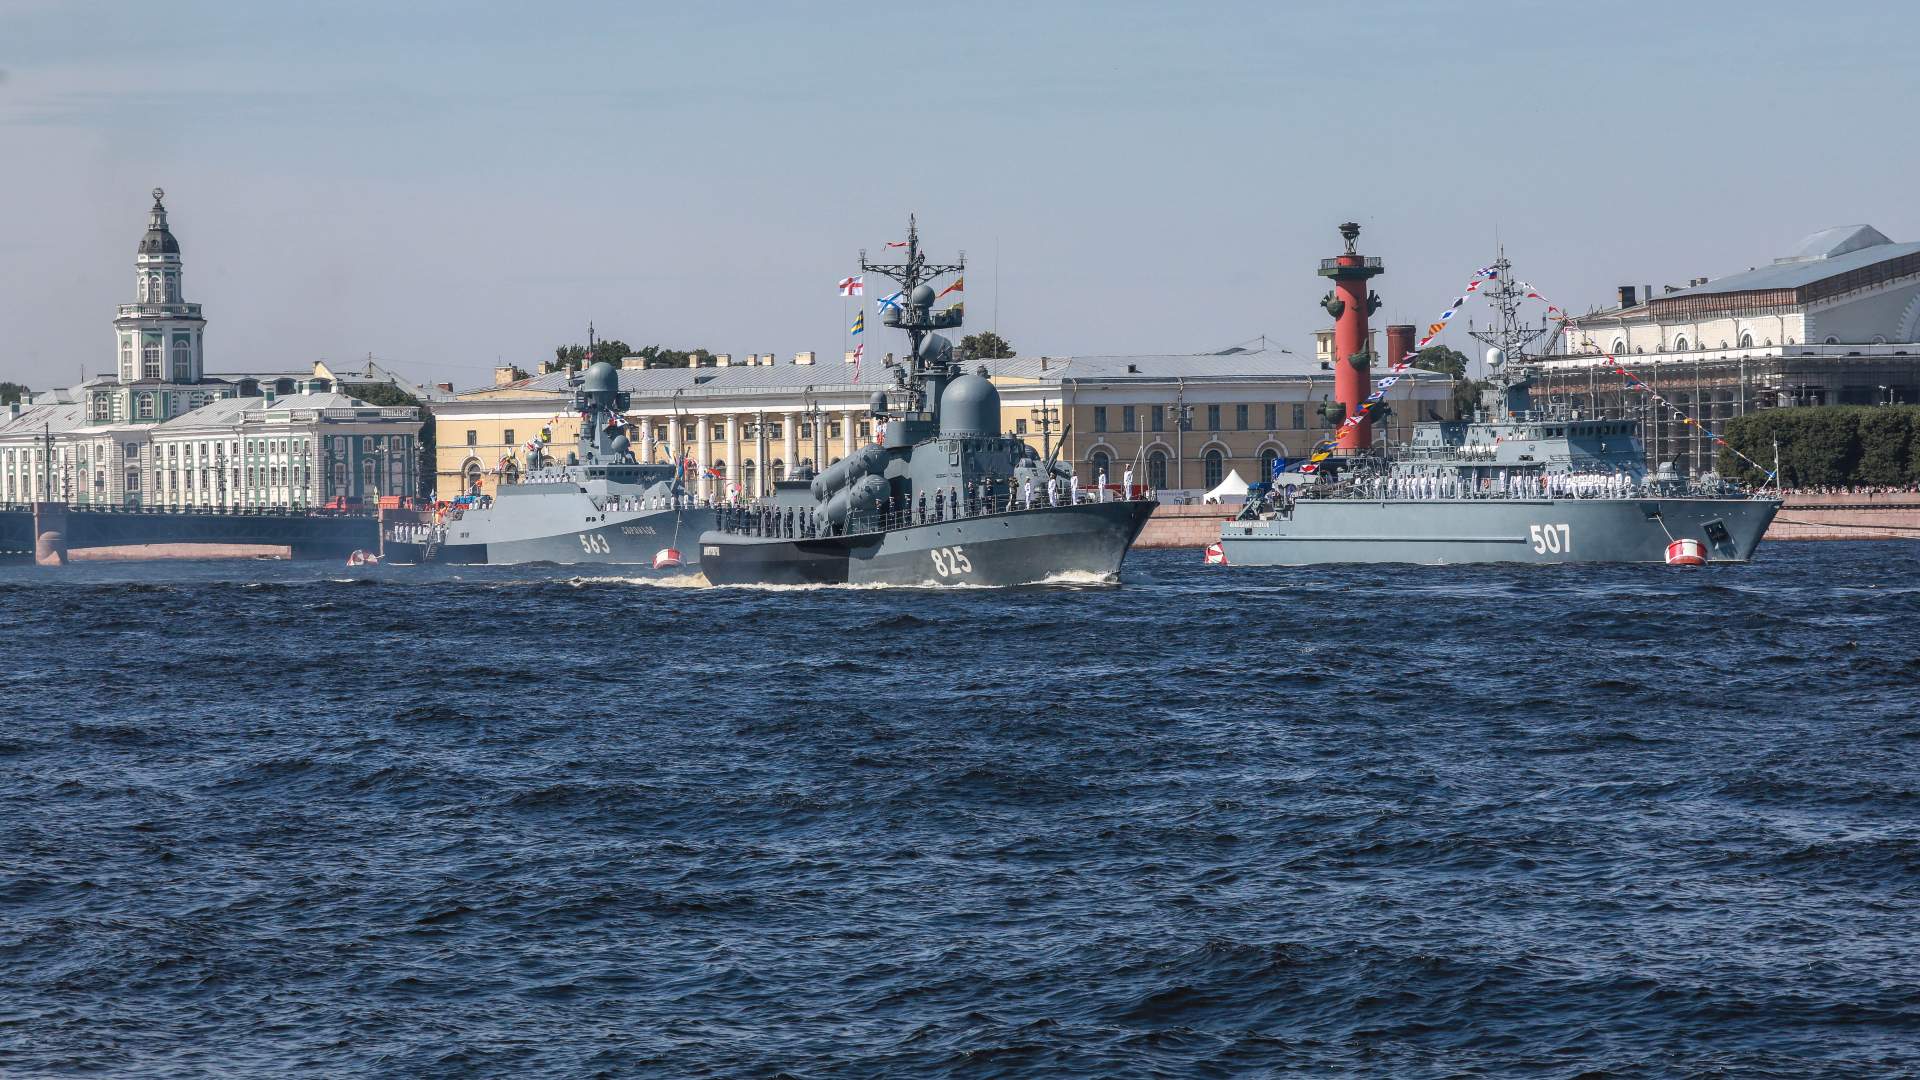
x=262 y=817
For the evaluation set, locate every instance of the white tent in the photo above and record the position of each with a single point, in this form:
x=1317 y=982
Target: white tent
x=1232 y=489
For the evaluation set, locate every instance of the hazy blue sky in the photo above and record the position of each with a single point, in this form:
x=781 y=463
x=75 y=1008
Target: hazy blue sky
x=442 y=185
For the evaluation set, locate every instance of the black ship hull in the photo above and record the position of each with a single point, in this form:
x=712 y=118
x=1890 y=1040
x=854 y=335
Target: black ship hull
x=1087 y=542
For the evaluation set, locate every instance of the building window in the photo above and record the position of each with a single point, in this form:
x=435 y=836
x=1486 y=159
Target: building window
x=507 y=437
x=150 y=358
x=1240 y=417
x=1680 y=344
x=833 y=430
x=1619 y=347
x=1159 y=418
x=1127 y=420
x=473 y=437
x=182 y=360
x=1272 y=416
x=1268 y=459
x=1020 y=426
x=1099 y=418
x=1213 y=418
x=1099 y=464
x=1299 y=417
x=1746 y=341
x=126 y=358
x=1216 y=469
x=1156 y=470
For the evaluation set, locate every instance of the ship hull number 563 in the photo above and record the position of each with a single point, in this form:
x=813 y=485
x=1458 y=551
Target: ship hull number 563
x=950 y=561
x=1552 y=539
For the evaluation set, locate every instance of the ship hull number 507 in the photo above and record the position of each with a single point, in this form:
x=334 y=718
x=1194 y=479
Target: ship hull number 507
x=950 y=561
x=1555 y=539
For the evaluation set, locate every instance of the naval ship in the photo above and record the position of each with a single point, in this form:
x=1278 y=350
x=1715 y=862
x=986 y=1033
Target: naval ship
x=1511 y=484
x=942 y=496
x=601 y=506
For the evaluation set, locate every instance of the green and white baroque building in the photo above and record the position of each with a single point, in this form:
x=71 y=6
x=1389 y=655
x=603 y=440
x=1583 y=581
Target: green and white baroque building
x=159 y=432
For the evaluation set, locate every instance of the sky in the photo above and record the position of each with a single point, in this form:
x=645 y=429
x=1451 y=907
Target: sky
x=450 y=186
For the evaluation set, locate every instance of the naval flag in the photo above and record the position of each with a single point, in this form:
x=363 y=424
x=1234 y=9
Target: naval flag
x=853 y=286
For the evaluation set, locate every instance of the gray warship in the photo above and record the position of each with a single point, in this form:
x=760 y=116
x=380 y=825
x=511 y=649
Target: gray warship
x=942 y=497
x=1510 y=484
x=601 y=506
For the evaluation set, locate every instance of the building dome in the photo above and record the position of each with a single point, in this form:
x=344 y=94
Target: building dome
x=159 y=239
x=970 y=406
x=601 y=378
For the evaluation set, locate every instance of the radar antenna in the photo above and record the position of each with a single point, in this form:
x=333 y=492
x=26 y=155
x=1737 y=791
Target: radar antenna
x=926 y=369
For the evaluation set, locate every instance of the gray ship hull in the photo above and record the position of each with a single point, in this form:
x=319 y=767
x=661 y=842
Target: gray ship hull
x=1018 y=548
x=1439 y=531
x=594 y=538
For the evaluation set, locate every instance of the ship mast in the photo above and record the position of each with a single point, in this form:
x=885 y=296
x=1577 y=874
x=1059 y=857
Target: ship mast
x=1513 y=336
x=927 y=368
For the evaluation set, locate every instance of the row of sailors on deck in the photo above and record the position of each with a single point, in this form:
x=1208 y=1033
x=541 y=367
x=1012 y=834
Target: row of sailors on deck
x=1513 y=485
x=417 y=534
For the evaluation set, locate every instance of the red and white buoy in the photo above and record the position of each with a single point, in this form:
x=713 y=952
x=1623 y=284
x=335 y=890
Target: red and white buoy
x=363 y=558
x=667 y=559
x=1216 y=554
x=1686 y=552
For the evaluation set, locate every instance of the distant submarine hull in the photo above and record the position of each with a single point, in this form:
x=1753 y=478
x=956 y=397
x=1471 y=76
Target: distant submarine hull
x=1023 y=547
x=1439 y=531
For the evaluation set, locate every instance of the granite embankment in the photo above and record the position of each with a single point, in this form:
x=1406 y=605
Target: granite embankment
x=1891 y=516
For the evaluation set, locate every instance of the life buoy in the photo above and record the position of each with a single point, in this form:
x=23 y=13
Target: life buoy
x=1216 y=554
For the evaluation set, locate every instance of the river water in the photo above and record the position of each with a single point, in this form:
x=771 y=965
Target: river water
x=284 y=818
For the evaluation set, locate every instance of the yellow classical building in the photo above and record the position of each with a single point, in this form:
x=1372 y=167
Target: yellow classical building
x=1182 y=422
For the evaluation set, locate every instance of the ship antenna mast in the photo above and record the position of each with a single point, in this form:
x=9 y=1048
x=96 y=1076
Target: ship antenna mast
x=917 y=320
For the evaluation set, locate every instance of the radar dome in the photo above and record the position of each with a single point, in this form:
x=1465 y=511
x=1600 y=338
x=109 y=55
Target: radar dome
x=601 y=378
x=1495 y=358
x=970 y=406
x=921 y=296
x=621 y=444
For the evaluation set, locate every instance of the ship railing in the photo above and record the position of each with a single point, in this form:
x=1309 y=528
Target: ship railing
x=797 y=522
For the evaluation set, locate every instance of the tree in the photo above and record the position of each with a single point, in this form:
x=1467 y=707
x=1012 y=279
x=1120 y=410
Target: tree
x=985 y=345
x=612 y=350
x=11 y=392
x=1442 y=359
x=1841 y=445
x=572 y=357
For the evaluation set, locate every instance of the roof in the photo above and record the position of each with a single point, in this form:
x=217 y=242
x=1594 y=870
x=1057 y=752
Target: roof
x=1234 y=363
x=318 y=401
x=654 y=382
x=1825 y=254
x=34 y=419
x=222 y=412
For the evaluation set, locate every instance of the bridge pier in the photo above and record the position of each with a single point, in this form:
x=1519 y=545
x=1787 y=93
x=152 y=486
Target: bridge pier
x=50 y=533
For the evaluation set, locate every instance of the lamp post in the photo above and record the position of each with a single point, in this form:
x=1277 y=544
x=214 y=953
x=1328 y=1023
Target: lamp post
x=1046 y=416
x=1182 y=416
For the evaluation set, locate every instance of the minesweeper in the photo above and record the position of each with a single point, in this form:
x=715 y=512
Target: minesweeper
x=1511 y=484
x=942 y=497
x=601 y=506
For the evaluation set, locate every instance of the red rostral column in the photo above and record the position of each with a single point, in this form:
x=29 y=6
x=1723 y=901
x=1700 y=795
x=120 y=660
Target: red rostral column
x=1350 y=303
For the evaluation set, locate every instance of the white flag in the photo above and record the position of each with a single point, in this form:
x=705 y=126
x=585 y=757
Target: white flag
x=853 y=286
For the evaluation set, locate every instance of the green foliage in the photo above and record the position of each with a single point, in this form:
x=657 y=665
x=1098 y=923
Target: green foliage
x=1466 y=396
x=11 y=392
x=985 y=345
x=380 y=393
x=573 y=357
x=1837 y=445
x=1442 y=359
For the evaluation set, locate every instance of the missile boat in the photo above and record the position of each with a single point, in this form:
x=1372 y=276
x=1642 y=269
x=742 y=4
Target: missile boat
x=943 y=496
x=601 y=506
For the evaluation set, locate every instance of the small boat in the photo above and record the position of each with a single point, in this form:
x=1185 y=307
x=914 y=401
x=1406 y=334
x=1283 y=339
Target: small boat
x=363 y=558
